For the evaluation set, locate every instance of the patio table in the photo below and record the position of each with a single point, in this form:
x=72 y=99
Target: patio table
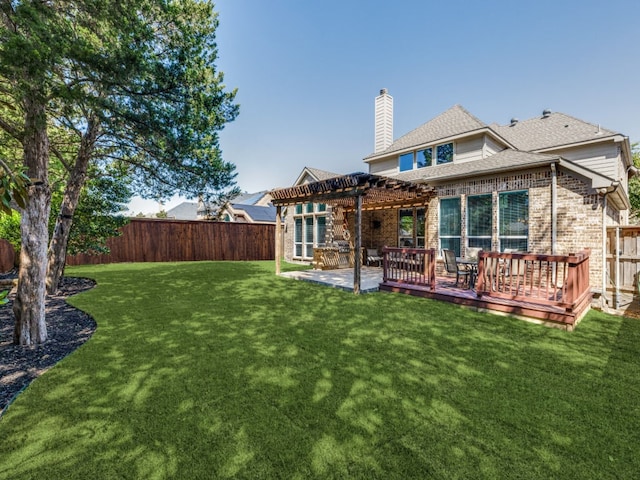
x=470 y=264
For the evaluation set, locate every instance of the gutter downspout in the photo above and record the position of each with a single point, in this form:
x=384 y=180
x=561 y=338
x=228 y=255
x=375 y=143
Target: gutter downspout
x=604 y=247
x=554 y=208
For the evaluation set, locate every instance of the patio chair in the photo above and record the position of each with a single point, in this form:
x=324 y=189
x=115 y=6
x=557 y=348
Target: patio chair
x=451 y=265
x=472 y=252
x=373 y=257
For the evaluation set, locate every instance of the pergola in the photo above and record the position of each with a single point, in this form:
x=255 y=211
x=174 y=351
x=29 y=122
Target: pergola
x=355 y=192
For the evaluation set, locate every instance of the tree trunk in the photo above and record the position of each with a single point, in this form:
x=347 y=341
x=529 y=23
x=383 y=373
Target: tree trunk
x=77 y=179
x=29 y=304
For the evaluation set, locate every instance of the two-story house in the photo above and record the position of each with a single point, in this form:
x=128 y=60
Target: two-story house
x=546 y=185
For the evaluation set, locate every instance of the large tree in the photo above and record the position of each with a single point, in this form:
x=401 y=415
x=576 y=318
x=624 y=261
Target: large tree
x=158 y=118
x=27 y=51
x=135 y=85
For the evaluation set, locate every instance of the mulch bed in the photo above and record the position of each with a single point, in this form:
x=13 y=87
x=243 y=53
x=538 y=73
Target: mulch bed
x=67 y=329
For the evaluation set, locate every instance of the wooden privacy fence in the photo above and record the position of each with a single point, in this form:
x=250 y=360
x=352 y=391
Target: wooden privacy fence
x=7 y=256
x=161 y=240
x=623 y=267
x=623 y=261
x=559 y=280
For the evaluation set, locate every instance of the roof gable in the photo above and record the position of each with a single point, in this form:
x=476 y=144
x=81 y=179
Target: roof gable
x=310 y=174
x=455 y=121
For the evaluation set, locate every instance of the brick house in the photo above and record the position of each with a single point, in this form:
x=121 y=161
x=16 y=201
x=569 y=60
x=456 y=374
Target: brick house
x=546 y=185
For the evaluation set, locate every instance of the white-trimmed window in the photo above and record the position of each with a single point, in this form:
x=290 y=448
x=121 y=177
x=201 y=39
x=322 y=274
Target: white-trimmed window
x=411 y=228
x=405 y=162
x=513 y=220
x=479 y=221
x=450 y=224
x=310 y=228
x=444 y=153
x=426 y=157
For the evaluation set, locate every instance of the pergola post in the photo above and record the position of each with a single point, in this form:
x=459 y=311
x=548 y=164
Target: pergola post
x=278 y=238
x=357 y=263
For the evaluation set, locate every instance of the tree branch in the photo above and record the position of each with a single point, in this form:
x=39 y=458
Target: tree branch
x=60 y=157
x=11 y=130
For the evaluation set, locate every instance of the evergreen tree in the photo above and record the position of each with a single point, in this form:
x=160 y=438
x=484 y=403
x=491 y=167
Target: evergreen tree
x=134 y=85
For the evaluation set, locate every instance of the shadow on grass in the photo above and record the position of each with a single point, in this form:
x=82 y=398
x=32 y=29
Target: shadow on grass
x=223 y=370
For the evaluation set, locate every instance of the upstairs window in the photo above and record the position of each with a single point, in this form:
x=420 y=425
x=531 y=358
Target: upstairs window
x=444 y=153
x=406 y=162
x=424 y=158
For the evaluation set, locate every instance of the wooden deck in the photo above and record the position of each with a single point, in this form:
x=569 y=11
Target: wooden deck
x=446 y=291
x=549 y=289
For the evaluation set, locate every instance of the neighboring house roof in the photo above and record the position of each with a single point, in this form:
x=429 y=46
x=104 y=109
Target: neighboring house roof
x=455 y=121
x=250 y=198
x=257 y=198
x=551 y=130
x=184 y=211
x=316 y=175
x=256 y=213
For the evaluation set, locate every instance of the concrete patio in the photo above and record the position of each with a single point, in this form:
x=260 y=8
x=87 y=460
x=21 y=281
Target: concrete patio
x=370 y=278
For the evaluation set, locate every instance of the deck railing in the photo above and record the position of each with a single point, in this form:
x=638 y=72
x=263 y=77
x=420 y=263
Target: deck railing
x=559 y=280
x=416 y=266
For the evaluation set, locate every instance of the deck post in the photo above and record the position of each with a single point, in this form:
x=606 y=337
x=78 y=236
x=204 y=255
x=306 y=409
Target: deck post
x=357 y=264
x=278 y=238
x=480 y=275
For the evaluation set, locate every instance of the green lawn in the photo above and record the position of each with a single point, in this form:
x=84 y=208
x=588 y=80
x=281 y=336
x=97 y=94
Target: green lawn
x=223 y=370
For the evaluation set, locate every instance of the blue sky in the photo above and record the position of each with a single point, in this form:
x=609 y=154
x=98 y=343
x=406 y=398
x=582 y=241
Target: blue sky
x=307 y=73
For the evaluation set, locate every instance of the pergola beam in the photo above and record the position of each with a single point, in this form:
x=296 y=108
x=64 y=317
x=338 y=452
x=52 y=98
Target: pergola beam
x=374 y=189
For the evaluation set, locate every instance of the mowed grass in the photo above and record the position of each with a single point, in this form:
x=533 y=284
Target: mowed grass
x=223 y=370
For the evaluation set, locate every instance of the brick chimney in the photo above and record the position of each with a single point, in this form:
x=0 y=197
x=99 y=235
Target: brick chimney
x=383 y=121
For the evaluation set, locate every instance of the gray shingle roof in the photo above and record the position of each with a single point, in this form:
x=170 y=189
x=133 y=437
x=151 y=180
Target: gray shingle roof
x=184 y=211
x=501 y=161
x=556 y=130
x=452 y=122
x=321 y=174
x=249 y=198
x=258 y=213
